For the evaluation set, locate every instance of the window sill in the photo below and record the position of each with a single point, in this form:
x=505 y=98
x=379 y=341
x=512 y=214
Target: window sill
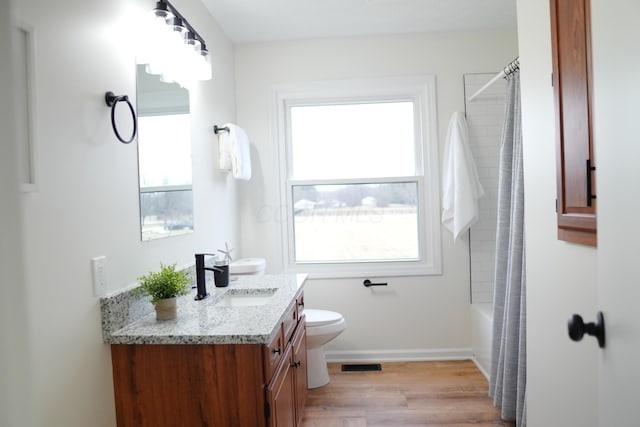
x=354 y=270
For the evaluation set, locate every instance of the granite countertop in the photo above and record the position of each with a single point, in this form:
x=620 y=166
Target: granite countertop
x=210 y=321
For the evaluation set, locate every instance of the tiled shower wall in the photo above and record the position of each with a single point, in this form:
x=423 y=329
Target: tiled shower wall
x=485 y=116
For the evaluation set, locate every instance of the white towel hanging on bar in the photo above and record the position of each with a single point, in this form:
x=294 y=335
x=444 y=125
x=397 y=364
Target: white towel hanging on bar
x=233 y=151
x=461 y=186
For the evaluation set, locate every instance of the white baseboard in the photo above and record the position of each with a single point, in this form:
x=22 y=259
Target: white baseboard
x=480 y=368
x=411 y=355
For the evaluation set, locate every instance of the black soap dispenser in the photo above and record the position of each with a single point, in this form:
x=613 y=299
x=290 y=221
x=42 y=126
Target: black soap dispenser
x=221 y=272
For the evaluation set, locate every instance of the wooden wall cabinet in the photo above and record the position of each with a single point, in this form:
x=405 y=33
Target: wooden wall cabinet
x=572 y=81
x=227 y=385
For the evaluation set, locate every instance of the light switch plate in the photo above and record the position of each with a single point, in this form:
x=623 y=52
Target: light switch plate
x=99 y=270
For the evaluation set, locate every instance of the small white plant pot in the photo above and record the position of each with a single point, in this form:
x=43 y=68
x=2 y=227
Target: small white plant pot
x=166 y=309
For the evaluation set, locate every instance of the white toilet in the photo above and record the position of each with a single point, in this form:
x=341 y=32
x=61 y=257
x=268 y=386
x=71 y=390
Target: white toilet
x=322 y=327
x=247 y=267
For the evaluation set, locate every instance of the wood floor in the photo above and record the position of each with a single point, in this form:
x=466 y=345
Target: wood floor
x=443 y=393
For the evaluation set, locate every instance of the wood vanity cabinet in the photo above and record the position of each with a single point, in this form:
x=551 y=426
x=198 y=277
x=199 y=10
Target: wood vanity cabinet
x=572 y=82
x=221 y=385
x=287 y=391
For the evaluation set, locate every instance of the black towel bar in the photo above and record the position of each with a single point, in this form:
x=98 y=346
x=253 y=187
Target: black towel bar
x=217 y=129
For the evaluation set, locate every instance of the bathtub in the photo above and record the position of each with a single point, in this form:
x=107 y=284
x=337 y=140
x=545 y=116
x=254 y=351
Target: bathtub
x=481 y=331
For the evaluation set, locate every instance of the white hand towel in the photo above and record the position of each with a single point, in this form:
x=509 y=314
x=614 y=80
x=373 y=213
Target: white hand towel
x=224 y=150
x=461 y=186
x=234 y=152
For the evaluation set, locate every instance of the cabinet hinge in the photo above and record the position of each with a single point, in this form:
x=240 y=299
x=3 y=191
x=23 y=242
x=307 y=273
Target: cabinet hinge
x=267 y=410
x=552 y=80
x=556 y=205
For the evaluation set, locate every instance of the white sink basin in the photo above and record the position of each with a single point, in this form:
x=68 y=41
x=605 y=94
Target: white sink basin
x=246 y=297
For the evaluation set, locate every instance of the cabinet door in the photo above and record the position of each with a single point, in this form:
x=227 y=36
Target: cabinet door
x=170 y=385
x=300 y=368
x=281 y=394
x=571 y=45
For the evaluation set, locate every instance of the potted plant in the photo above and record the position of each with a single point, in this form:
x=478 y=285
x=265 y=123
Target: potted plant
x=164 y=287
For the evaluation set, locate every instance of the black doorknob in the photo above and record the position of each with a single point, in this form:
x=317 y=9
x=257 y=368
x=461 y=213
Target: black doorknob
x=577 y=328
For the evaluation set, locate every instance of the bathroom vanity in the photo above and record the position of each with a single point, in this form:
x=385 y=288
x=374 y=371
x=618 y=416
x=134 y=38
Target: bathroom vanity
x=237 y=358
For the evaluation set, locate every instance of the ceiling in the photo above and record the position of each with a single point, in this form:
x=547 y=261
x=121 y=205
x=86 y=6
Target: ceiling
x=248 y=21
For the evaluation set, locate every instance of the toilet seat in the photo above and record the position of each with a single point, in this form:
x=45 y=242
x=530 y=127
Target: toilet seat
x=321 y=317
x=247 y=266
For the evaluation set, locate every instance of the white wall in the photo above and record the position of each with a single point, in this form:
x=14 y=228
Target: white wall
x=561 y=277
x=87 y=203
x=14 y=357
x=414 y=316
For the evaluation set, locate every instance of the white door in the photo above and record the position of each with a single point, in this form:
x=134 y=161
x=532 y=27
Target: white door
x=616 y=65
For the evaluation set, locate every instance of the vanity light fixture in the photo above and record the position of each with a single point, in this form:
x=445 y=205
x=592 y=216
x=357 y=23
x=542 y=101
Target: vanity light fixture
x=172 y=48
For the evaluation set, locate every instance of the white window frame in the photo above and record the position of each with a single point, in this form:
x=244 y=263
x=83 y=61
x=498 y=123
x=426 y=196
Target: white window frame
x=422 y=91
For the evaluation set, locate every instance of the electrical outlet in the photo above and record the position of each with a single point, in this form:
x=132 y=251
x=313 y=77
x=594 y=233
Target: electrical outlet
x=99 y=270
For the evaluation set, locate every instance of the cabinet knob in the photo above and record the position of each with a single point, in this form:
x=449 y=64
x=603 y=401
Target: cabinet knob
x=295 y=364
x=577 y=328
x=277 y=350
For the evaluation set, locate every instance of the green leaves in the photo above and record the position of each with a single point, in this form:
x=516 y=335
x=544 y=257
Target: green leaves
x=167 y=283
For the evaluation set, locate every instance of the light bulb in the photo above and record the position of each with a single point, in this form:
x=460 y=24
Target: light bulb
x=191 y=41
x=204 y=65
x=178 y=27
x=162 y=11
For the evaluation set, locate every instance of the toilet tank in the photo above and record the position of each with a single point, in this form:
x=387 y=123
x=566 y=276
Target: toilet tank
x=247 y=266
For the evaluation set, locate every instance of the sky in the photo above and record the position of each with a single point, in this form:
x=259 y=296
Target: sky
x=353 y=141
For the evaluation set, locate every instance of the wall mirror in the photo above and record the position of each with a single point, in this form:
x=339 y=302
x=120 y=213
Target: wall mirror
x=164 y=157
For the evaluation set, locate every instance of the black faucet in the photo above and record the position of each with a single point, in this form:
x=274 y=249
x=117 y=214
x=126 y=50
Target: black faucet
x=201 y=271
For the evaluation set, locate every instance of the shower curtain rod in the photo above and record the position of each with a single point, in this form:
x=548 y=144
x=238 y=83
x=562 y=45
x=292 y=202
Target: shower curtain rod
x=511 y=68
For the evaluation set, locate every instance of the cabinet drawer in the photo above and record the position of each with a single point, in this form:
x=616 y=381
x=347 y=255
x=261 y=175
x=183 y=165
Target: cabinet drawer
x=273 y=354
x=290 y=321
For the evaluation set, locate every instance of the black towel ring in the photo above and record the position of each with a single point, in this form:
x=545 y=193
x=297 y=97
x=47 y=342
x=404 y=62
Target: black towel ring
x=111 y=101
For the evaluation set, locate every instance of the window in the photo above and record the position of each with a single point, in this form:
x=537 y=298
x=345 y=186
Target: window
x=361 y=182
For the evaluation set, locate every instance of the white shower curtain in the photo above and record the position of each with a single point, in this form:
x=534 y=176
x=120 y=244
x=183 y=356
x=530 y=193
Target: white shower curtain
x=507 y=382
